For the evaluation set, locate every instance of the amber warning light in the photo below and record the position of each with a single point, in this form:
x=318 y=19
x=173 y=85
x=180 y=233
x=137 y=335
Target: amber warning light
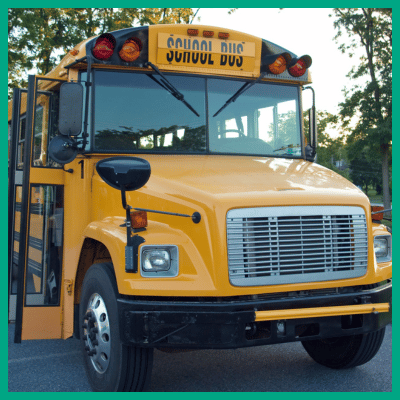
x=131 y=50
x=138 y=219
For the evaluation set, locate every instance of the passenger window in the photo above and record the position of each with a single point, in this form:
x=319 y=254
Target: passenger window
x=43 y=271
x=21 y=132
x=45 y=125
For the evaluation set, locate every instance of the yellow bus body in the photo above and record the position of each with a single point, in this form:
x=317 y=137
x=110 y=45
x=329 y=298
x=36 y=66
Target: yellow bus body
x=211 y=185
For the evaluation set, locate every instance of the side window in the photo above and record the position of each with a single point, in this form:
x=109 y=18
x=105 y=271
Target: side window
x=17 y=228
x=45 y=239
x=45 y=125
x=21 y=141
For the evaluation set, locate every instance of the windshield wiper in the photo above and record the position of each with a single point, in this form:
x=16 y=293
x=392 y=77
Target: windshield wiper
x=246 y=86
x=169 y=87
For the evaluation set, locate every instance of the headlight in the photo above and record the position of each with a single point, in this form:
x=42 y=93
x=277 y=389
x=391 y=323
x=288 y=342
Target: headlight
x=383 y=248
x=159 y=261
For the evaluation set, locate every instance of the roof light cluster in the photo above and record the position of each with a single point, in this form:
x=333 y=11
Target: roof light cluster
x=278 y=63
x=195 y=32
x=105 y=46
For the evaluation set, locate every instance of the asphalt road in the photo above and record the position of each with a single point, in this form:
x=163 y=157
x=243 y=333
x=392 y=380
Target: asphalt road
x=56 y=366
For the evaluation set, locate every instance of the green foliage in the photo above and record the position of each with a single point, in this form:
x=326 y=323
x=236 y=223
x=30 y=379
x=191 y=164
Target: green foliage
x=39 y=37
x=369 y=105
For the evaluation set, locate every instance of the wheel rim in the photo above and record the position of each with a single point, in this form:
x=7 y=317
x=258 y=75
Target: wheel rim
x=96 y=333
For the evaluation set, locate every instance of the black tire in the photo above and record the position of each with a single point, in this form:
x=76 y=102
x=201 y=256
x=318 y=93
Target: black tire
x=345 y=352
x=115 y=367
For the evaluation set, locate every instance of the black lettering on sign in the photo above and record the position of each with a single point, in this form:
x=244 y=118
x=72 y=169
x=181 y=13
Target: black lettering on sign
x=210 y=60
x=178 y=56
x=195 y=58
x=239 y=61
x=232 y=61
x=224 y=59
x=170 y=56
x=203 y=58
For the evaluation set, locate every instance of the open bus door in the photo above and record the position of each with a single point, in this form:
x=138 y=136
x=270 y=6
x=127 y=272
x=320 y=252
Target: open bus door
x=36 y=205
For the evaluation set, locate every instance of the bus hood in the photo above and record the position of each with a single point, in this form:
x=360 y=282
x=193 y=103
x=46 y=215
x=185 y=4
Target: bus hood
x=249 y=181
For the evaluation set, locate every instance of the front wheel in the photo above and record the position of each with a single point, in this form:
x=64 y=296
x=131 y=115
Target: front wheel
x=345 y=352
x=110 y=365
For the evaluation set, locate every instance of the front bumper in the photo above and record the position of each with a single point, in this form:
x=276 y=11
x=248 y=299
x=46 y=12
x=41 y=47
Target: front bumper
x=237 y=322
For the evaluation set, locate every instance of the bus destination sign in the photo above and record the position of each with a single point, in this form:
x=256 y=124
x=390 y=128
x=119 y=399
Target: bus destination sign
x=201 y=52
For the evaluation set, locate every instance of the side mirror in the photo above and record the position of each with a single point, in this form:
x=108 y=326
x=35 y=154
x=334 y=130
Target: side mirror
x=62 y=149
x=124 y=173
x=71 y=108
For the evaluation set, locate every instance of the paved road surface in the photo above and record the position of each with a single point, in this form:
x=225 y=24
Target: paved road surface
x=56 y=366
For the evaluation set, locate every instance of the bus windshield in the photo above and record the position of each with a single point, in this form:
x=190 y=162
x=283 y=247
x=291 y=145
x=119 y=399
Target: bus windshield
x=133 y=112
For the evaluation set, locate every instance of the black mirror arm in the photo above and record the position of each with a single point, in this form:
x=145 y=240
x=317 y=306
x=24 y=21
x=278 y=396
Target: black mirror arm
x=86 y=118
x=311 y=148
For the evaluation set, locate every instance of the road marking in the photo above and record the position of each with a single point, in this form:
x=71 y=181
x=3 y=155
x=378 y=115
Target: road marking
x=27 y=359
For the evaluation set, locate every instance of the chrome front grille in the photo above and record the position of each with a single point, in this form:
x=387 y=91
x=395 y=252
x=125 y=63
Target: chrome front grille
x=278 y=245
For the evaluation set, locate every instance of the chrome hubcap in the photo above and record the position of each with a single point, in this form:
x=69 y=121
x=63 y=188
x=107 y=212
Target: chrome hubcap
x=96 y=333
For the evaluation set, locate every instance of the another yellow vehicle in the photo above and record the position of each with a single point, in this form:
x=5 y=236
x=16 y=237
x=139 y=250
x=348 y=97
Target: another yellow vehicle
x=164 y=195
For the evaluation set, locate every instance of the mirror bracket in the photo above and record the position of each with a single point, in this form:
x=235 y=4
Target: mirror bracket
x=311 y=148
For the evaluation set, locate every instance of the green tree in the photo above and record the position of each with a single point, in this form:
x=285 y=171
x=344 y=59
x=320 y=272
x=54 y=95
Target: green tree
x=369 y=104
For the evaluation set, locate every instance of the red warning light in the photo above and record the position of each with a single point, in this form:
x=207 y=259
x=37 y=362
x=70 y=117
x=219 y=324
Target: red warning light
x=104 y=47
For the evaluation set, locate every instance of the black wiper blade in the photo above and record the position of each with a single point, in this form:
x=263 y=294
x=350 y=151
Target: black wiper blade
x=246 y=86
x=168 y=86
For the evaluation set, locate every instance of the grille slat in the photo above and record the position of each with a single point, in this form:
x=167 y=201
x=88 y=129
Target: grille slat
x=263 y=260
x=280 y=245
x=272 y=270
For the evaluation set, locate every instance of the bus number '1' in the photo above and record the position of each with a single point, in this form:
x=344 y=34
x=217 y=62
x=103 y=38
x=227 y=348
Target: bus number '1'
x=203 y=58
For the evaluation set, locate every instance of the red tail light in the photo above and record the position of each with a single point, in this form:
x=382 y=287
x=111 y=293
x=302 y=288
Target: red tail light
x=131 y=49
x=104 y=47
x=299 y=66
x=223 y=35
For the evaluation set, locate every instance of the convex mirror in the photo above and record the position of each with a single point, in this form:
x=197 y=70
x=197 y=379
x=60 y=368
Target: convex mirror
x=124 y=173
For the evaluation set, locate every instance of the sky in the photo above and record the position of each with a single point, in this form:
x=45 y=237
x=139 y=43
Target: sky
x=301 y=31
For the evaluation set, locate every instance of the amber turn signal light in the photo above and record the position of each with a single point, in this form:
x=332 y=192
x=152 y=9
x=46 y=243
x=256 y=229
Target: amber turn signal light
x=138 y=219
x=130 y=50
x=379 y=216
x=278 y=66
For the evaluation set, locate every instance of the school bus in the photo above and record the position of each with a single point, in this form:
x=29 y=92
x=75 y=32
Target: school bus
x=164 y=195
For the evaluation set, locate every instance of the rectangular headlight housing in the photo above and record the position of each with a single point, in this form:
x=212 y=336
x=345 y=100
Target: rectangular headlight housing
x=383 y=248
x=158 y=261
